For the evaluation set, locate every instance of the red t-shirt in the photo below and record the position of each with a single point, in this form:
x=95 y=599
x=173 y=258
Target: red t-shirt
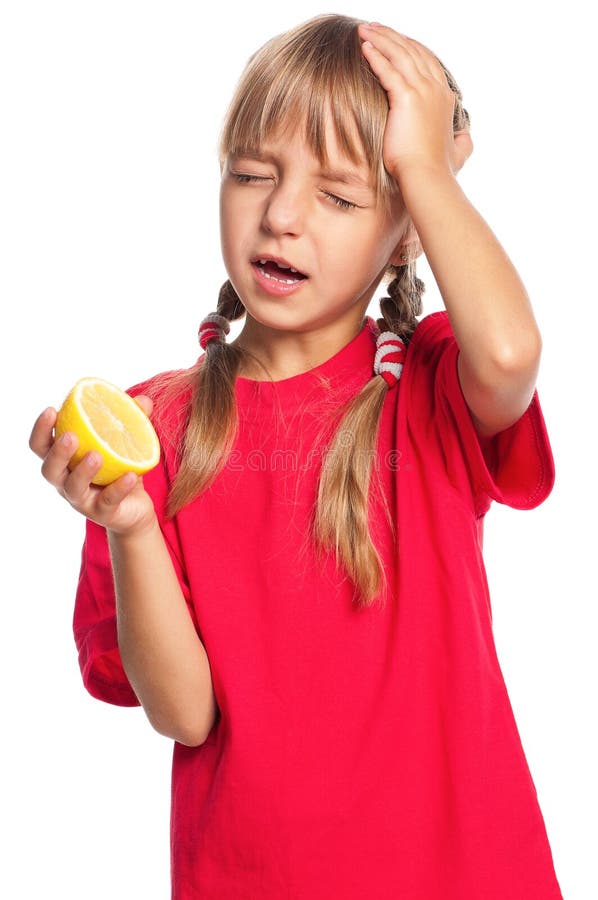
x=357 y=752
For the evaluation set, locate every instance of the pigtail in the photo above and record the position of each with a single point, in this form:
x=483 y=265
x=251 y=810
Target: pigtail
x=341 y=518
x=211 y=421
x=404 y=302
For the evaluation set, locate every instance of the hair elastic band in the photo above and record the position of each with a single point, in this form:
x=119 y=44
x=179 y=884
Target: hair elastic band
x=213 y=328
x=389 y=358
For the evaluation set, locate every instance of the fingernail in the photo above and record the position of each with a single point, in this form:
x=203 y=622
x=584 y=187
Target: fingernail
x=374 y=24
x=65 y=440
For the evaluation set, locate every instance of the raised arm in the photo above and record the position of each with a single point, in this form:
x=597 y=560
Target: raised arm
x=487 y=304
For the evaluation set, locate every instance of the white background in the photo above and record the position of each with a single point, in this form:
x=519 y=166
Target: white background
x=109 y=180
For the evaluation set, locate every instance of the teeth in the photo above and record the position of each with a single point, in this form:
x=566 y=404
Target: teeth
x=280 y=265
x=283 y=280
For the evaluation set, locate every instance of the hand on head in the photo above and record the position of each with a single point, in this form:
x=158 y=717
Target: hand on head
x=419 y=128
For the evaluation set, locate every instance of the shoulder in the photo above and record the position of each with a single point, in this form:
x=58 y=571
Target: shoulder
x=158 y=384
x=514 y=466
x=432 y=331
x=430 y=346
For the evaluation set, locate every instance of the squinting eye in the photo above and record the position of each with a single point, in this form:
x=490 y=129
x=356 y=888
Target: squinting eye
x=245 y=178
x=344 y=204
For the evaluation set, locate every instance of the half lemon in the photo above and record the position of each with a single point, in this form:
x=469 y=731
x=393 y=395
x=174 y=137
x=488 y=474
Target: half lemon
x=108 y=420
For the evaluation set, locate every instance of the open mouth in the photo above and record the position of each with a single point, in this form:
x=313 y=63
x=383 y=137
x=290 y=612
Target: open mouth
x=284 y=274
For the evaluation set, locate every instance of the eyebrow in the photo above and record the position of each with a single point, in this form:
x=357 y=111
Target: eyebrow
x=341 y=176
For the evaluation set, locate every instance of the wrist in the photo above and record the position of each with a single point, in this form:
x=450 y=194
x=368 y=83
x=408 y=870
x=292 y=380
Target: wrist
x=430 y=190
x=423 y=173
x=136 y=533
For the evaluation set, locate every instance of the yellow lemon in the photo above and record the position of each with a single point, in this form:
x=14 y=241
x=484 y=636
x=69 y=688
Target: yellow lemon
x=108 y=420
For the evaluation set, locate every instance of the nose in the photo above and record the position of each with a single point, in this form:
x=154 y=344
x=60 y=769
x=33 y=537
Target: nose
x=285 y=207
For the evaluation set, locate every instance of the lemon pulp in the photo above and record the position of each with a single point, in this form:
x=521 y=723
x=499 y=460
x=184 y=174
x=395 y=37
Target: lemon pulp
x=106 y=419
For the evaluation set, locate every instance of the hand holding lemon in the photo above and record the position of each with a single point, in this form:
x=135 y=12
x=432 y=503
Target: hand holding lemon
x=109 y=421
x=103 y=440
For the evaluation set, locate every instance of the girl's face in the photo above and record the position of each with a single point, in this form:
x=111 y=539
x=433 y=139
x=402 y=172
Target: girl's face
x=281 y=205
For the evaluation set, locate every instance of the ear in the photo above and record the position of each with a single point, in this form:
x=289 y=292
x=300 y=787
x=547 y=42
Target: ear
x=461 y=150
x=408 y=246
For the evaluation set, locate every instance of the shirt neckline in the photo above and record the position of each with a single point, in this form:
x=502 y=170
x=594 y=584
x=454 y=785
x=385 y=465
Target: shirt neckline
x=346 y=371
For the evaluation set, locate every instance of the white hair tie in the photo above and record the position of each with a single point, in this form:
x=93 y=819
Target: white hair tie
x=390 y=357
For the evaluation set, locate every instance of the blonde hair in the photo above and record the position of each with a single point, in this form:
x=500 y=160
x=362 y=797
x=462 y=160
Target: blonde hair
x=312 y=71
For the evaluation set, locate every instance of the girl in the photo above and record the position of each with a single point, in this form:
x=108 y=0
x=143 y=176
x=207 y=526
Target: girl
x=296 y=594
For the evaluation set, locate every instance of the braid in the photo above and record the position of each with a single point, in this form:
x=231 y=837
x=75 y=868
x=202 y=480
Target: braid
x=212 y=417
x=230 y=304
x=404 y=302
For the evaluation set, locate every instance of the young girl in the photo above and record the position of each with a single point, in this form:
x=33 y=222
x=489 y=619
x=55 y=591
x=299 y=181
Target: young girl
x=296 y=594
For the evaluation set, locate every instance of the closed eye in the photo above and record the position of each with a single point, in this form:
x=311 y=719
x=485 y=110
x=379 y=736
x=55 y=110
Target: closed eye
x=245 y=178
x=338 y=201
x=345 y=204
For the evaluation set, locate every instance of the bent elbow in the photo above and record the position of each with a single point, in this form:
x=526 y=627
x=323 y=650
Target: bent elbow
x=521 y=356
x=186 y=736
x=191 y=740
x=189 y=733
x=198 y=735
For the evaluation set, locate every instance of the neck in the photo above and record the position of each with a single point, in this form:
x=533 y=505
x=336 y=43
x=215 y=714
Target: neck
x=286 y=352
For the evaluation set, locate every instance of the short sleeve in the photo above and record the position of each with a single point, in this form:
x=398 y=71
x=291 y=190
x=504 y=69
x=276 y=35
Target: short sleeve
x=514 y=467
x=94 y=620
x=94 y=624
